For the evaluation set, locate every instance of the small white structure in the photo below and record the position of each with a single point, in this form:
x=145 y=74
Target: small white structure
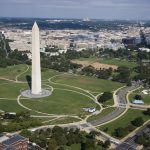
x=144 y=49
x=139 y=102
x=90 y=109
x=146 y=92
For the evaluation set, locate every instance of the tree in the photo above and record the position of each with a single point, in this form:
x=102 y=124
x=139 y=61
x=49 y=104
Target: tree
x=92 y=134
x=58 y=134
x=130 y=128
x=2 y=129
x=105 y=96
x=120 y=132
x=90 y=144
x=52 y=145
x=124 y=75
x=147 y=112
x=22 y=116
x=106 y=144
x=61 y=148
x=129 y=83
x=25 y=133
x=138 y=97
x=138 y=121
x=42 y=140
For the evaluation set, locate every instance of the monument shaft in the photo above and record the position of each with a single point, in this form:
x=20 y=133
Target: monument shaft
x=36 y=65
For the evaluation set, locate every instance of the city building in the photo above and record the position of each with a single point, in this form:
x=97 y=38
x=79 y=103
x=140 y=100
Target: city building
x=15 y=142
x=129 y=41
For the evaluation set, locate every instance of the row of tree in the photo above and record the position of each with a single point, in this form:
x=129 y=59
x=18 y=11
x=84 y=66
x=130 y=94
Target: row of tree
x=20 y=121
x=57 y=138
x=8 y=57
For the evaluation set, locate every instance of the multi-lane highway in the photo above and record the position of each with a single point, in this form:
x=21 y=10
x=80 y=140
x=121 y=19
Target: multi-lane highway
x=121 y=106
x=130 y=144
x=108 y=117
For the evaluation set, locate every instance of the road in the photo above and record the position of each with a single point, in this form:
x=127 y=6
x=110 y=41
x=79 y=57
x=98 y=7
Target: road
x=122 y=104
x=130 y=144
x=108 y=117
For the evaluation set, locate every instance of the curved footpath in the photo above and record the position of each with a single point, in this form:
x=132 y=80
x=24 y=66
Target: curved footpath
x=121 y=107
x=121 y=104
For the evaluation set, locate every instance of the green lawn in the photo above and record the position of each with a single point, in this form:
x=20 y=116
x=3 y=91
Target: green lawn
x=12 y=72
x=11 y=90
x=123 y=121
x=109 y=102
x=10 y=106
x=103 y=113
x=60 y=102
x=145 y=98
x=118 y=62
x=111 y=61
x=3 y=82
x=46 y=74
x=88 y=83
x=73 y=147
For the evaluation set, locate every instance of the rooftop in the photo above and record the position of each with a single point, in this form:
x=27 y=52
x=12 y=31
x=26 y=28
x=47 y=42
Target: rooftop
x=9 y=140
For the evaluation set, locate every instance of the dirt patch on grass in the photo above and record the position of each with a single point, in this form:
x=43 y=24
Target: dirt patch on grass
x=95 y=64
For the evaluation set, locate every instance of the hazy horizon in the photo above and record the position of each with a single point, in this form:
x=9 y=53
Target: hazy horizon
x=71 y=9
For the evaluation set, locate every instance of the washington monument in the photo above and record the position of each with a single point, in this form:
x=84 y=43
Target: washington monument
x=36 y=65
x=36 y=90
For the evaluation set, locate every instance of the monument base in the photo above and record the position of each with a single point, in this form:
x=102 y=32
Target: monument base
x=44 y=93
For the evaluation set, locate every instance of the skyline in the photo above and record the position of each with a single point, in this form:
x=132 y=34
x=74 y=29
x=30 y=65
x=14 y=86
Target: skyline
x=96 y=9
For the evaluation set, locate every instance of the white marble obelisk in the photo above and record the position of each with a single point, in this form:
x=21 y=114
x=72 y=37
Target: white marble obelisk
x=36 y=65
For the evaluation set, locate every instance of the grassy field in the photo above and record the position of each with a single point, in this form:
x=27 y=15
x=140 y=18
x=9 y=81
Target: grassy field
x=10 y=106
x=4 y=82
x=111 y=61
x=60 y=102
x=123 y=121
x=88 y=83
x=109 y=102
x=145 y=98
x=103 y=113
x=118 y=62
x=12 y=90
x=73 y=147
x=45 y=73
x=12 y=72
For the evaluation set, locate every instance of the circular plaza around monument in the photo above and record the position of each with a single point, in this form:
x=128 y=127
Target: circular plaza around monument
x=44 y=93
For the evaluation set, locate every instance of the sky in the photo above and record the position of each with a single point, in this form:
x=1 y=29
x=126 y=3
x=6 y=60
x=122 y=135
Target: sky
x=94 y=9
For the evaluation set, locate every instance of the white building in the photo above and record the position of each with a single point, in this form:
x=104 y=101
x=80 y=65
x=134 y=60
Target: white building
x=144 y=49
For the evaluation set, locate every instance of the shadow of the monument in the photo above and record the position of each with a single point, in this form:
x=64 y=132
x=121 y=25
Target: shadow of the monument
x=28 y=78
